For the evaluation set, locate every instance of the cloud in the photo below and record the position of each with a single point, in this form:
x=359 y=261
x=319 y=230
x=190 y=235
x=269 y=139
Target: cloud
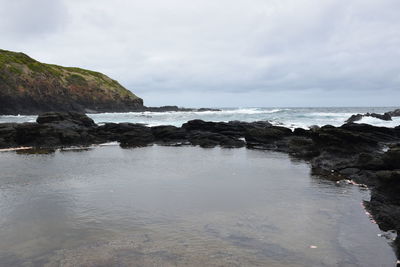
x=21 y=20
x=293 y=52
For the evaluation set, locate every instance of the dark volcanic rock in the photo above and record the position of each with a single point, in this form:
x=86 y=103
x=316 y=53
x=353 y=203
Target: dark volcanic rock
x=392 y=158
x=394 y=113
x=128 y=134
x=338 y=137
x=208 y=139
x=266 y=135
x=7 y=129
x=207 y=109
x=354 y=118
x=37 y=135
x=168 y=133
x=232 y=128
x=370 y=161
x=302 y=147
x=138 y=136
x=65 y=117
x=114 y=131
x=7 y=134
x=386 y=116
x=3 y=143
x=387 y=176
x=53 y=129
x=166 y=109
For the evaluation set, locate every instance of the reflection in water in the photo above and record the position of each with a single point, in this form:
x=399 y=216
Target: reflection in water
x=179 y=207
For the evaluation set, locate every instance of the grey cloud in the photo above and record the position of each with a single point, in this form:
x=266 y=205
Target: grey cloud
x=21 y=20
x=257 y=52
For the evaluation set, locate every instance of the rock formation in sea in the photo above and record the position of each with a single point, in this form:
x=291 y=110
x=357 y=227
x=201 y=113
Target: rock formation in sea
x=387 y=116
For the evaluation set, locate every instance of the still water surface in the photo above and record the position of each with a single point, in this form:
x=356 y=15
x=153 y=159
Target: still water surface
x=187 y=206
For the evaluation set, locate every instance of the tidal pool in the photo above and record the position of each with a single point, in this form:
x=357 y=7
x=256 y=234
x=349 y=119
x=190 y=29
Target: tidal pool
x=180 y=206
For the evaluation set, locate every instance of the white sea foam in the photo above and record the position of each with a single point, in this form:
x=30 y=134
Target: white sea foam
x=288 y=117
x=331 y=114
x=377 y=122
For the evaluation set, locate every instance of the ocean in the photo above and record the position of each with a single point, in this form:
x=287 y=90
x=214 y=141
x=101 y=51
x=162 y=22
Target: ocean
x=288 y=117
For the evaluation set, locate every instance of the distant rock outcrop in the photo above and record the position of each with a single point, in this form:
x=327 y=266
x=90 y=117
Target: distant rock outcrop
x=394 y=113
x=387 y=116
x=31 y=87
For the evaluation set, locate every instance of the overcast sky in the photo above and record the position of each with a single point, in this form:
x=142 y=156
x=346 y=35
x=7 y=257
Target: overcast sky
x=221 y=52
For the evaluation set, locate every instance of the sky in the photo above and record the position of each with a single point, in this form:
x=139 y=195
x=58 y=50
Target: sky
x=221 y=53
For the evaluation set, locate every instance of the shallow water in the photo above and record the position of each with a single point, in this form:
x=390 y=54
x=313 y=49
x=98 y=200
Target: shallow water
x=289 y=117
x=186 y=206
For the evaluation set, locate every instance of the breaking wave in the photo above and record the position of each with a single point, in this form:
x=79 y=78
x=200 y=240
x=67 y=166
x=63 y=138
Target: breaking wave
x=288 y=117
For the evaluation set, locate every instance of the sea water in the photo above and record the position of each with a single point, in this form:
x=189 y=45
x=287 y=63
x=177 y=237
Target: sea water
x=180 y=206
x=289 y=117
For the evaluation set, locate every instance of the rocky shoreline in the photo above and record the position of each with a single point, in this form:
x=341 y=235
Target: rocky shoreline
x=362 y=153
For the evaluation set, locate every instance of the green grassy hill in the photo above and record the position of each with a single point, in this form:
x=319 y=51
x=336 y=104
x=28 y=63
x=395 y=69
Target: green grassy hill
x=29 y=87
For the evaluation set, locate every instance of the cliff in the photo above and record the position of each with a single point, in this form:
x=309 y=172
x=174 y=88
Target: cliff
x=30 y=87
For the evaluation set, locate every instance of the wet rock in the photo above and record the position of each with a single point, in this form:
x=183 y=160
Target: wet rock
x=354 y=118
x=250 y=125
x=328 y=162
x=7 y=130
x=301 y=132
x=168 y=133
x=370 y=161
x=65 y=117
x=7 y=134
x=207 y=109
x=267 y=135
x=137 y=137
x=209 y=139
x=314 y=128
x=392 y=158
x=232 y=128
x=166 y=109
x=379 y=134
x=388 y=176
x=302 y=147
x=386 y=117
x=353 y=137
x=349 y=171
x=36 y=135
x=114 y=131
x=394 y=113
x=3 y=143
